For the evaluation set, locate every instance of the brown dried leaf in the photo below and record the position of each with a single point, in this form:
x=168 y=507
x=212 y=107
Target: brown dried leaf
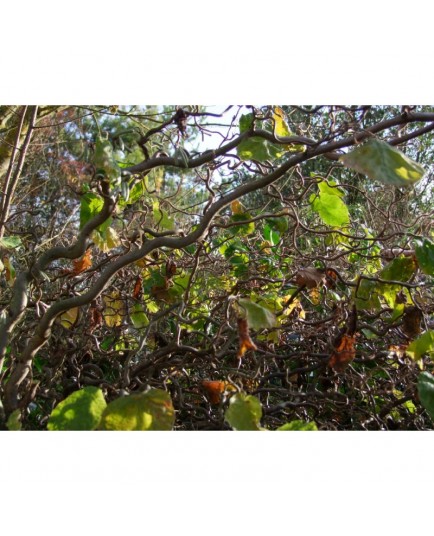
x=160 y=292
x=95 y=319
x=214 y=390
x=82 y=264
x=170 y=269
x=344 y=352
x=411 y=322
x=137 y=292
x=246 y=342
x=310 y=278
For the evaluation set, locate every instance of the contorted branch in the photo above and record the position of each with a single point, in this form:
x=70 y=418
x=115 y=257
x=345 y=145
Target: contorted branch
x=20 y=289
x=24 y=361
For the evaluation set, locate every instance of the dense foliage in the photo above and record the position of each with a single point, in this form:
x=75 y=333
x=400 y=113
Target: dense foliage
x=196 y=268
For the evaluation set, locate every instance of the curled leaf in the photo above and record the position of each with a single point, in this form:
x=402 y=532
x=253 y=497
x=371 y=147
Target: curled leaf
x=82 y=264
x=246 y=342
x=215 y=390
x=137 y=292
x=411 y=321
x=310 y=277
x=343 y=353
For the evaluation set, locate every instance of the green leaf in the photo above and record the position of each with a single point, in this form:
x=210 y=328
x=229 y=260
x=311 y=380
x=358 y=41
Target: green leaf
x=14 y=421
x=425 y=387
x=253 y=148
x=242 y=230
x=152 y=410
x=258 y=317
x=298 y=426
x=161 y=218
x=138 y=317
x=271 y=235
x=244 y=412
x=10 y=242
x=422 y=345
x=90 y=205
x=331 y=209
x=425 y=256
x=81 y=410
x=280 y=224
x=400 y=269
x=330 y=187
x=380 y=161
x=369 y=292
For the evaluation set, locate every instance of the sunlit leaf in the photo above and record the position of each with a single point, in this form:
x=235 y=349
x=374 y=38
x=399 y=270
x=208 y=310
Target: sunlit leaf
x=258 y=317
x=9 y=271
x=380 y=161
x=138 y=317
x=10 y=242
x=69 y=318
x=81 y=410
x=330 y=187
x=400 y=269
x=425 y=387
x=425 y=256
x=244 y=412
x=298 y=426
x=281 y=129
x=105 y=239
x=369 y=292
x=253 y=148
x=90 y=205
x=422 y=345
x=152 y=410
x=331 y=209
x=114 y=310
x=242 y=230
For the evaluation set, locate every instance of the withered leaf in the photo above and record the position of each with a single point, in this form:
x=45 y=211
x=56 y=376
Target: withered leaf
x=137 y=292
x=343 y=353
x=82 y=264
x=246 y=342
x=95 y=319
x=215 y=389
x=411 y=322
x=310 y=277
x=170 y=269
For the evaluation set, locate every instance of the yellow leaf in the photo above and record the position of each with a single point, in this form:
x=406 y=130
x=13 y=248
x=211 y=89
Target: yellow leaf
x=237 y=207
x=114 y=310
x=68 y=319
